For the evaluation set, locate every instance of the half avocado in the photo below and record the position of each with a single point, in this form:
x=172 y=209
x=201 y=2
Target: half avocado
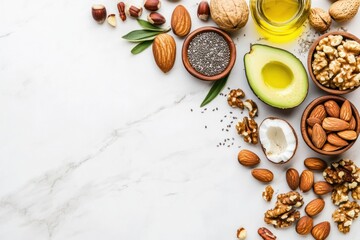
x=276 y=76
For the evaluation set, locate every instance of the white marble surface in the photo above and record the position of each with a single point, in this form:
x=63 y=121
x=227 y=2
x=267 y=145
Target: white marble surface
x=98 y=144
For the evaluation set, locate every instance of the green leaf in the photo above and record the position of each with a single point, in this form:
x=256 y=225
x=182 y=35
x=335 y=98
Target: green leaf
x=215 y=90
x=148 y=26
x=143 y=39
x=141 y=47
x=139 y=34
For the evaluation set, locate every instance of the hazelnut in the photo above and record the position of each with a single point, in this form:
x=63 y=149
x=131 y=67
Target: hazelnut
x=111 y=20
x=152 y=5
x=203 y=11
x=156 y=18
x=99 y=13
x=319 y=19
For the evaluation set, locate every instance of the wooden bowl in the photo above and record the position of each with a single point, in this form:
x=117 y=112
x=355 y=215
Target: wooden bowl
x=312 y=50
x=195 y=73
x=339 y=100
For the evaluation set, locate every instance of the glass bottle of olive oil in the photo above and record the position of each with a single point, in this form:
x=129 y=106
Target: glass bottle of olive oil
x=280 y=20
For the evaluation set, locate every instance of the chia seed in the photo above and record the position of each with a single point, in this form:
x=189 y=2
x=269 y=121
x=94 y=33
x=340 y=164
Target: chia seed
x=209 y=53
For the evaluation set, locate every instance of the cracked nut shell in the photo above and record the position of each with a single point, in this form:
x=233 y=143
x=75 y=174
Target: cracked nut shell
x=319 y=19
x=342 y=11
x=229 y=15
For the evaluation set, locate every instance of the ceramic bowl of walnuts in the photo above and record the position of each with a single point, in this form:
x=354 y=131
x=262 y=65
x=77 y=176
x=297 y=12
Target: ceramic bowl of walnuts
x=334 y=62
x=330 y=125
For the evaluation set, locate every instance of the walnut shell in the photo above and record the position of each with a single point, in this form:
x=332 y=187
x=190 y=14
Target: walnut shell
x=319 y=19
x=342 y=11
x=229 y=15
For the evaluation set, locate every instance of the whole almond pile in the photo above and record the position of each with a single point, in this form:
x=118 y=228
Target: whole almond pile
x=332 y=127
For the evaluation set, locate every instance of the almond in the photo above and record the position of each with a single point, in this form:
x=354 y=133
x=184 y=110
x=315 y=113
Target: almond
x=318 y=112
x=334 y=124
x=345 y=111
x=304 y=225
x=181 y=21
x=321 y=231
x=347 y=135
x=352 y=123
x=334 y=139
x=248 y=158
x=292 y=178
x=263 y=175
x=330 y=148
x=314 y=207
x=306 y=180
x=315 y=164
x=332 y=108
x=322 y=187
x=311 y=121
x=164 y=51
x=318 y=136
x=309 y=131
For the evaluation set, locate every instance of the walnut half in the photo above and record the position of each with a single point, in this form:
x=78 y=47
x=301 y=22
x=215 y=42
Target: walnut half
x=345 y=215
x=284 y=214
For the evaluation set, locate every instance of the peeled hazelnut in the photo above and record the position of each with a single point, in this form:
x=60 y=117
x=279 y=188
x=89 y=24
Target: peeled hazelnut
x=111 y=19
x=99 y=13
x=135 y=11
x=156 y=18
x=241 y=233
x=152 y=5
x=319 y=19
x=203 y=11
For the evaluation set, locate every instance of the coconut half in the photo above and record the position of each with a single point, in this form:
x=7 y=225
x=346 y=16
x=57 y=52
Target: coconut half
x=278 y=139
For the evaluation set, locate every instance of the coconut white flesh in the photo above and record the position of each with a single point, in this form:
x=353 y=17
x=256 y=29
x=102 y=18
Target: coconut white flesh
x=277 y=139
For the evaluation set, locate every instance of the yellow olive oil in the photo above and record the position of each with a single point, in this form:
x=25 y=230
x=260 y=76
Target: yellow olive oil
x=280 y=20
x=277 y=75
x=280 y=11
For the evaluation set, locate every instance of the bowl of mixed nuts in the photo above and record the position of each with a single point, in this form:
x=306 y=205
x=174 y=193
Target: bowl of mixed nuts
x=330 y=125
x=208 y=53
x=334 y=62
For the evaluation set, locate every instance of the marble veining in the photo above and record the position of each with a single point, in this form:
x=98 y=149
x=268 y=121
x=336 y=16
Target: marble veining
x=96 y=143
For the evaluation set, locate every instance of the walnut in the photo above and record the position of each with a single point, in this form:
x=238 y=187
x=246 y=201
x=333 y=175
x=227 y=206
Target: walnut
x=268 y=193
x=341 y=172
x=352 y=46
x=249 y=129
x=336 y=62
x=335 y=40
x=355 y=193
x=319 y=19
x=229 y=15
x=284 y=214
x=234 y=98
x=345 y=215
x=252 y=107
x=340 y=194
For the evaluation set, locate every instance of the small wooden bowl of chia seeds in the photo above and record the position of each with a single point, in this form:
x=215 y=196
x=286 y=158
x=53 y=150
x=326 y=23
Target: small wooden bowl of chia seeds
x=208 y=53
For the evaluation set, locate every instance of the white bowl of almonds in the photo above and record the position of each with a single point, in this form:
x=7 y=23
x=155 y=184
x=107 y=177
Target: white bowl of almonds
x=334 y=62
x=330 y=125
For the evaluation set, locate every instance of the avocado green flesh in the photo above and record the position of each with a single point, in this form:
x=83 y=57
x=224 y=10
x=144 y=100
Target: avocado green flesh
x=276 y=76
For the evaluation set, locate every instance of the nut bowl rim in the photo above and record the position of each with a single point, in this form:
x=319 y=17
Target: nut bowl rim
x=306 y=113
x=187 y=64
x=310 y=56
